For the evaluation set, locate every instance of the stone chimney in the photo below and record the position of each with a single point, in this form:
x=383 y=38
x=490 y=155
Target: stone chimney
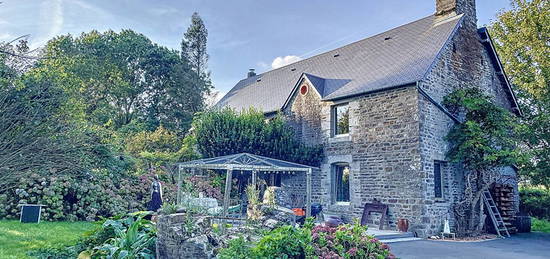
x=250 y=73
x=448 y=8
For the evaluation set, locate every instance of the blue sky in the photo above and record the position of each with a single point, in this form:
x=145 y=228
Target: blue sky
x=243 y=34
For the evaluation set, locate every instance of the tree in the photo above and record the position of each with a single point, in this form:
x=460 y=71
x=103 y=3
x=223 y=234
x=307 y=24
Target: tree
x=522 y=38
x=193 y=48
x=483 y=143
x=160 y=148
x=121 y=80
x=226 y=132
x=36 y=137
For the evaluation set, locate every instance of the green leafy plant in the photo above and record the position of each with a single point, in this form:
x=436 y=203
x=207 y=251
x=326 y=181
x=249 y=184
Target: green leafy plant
x=535 y=202
x=227 y=132
x=237 y=248
x=169 y=208
x=112 y=237
x=253 y=210
x=283 y=242
x=135 y=241
x=346 y=241
x=484 y=141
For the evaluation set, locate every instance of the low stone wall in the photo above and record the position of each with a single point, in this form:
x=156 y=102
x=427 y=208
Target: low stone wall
x=175 y=242
x=183 y=236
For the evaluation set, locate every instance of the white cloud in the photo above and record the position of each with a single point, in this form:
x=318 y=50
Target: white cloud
x=283 y=61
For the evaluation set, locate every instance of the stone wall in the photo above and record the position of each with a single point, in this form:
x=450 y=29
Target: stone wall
x=381 y=149
x=175 y=242
x=464 y=62
x=395 y=137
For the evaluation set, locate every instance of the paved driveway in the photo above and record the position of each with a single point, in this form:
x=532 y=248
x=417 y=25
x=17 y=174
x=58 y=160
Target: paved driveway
x=520 y=246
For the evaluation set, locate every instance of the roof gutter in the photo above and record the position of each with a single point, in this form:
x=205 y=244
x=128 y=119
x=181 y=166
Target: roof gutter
x=487 y=41
x=434 y=102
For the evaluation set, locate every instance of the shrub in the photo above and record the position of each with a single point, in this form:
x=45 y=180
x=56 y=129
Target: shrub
x=237 y=248
x=207 y=186
x=112 y=239
x=540 y=225
x=134 y=238
x=535 y=202
x=346 y=241
x=285 y=242
x=227 y=132
x=81 y=198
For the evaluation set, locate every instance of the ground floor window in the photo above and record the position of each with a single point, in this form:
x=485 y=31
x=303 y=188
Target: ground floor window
x=340 y=187
x=438 y=179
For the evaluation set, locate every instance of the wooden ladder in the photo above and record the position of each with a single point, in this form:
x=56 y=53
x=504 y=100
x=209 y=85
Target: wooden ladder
x=498 y=223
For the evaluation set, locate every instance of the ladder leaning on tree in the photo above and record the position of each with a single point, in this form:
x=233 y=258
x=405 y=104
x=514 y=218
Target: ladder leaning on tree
x=496 y=218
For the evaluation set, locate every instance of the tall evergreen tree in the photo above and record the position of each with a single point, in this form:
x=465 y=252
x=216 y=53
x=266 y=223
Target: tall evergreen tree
x=193 y=48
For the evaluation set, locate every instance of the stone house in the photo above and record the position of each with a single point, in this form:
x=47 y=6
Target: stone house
x=375 y=106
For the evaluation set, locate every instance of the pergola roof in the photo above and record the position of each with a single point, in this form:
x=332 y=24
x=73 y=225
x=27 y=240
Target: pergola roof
x=246 y=161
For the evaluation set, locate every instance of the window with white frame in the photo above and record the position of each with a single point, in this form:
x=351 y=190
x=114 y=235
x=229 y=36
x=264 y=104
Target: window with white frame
x=340 y=119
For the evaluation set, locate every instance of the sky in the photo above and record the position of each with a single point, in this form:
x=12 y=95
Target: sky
x=243 y=34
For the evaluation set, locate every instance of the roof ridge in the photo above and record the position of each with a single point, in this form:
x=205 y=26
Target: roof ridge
x=369 y=64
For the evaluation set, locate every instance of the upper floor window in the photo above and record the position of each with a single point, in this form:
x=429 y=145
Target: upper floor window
x=340 y=187
x=340 y=119
x=438 y=180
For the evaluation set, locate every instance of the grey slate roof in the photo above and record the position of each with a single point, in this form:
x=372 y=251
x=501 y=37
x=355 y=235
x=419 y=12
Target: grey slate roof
x=396 y=57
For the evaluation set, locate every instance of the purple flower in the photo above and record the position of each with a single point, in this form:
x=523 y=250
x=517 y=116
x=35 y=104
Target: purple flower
x=352 y=251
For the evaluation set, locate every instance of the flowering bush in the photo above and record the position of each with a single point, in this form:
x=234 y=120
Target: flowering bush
x=322 y=242
x=346 y=241
x=81 y=198
x=206 y=186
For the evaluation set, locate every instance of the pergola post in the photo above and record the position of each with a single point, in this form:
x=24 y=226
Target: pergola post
x=178 y=195
x=308 y=192
x=254 y=173
x=227 y=193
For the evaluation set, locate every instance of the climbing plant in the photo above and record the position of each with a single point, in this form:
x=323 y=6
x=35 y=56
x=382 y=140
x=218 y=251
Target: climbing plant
x=483 y=142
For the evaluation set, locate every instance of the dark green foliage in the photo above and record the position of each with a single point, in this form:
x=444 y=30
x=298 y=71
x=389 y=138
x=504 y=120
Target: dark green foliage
x=226 y=132
x=485 y=141
x=115 y=79
x=487 y=136
x=193 y=48
x=535 y=202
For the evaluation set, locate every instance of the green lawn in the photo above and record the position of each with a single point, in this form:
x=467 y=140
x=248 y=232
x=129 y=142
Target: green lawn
x=16 y=239
x=540 y=225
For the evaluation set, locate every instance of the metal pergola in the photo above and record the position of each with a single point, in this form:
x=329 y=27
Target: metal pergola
x=248 y=163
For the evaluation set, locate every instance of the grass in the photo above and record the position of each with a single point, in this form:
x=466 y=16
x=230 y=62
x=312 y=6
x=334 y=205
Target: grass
x=17 y=239
x=540 y=225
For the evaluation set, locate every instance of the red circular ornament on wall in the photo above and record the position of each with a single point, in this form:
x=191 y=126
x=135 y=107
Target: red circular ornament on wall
x=303 y=89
